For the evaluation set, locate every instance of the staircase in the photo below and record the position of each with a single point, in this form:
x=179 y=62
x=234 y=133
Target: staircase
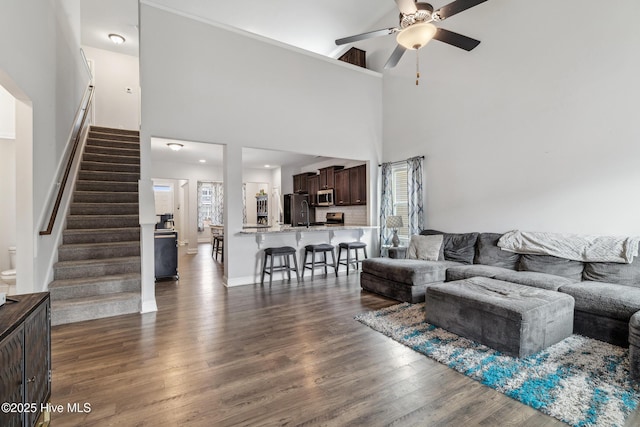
x=98 y=270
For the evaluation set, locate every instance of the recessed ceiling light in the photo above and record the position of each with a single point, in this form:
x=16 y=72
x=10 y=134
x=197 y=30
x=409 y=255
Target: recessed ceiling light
x=175 y=146
x=267 y=166
x=116 y=38
x=202 y=161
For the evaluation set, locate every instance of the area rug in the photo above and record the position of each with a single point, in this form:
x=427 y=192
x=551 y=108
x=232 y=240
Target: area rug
x=581 y=381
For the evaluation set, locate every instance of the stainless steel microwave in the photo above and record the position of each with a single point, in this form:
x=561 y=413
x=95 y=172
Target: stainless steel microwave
x=324 y=197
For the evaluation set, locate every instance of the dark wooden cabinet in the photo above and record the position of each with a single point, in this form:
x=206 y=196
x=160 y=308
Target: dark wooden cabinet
x=355 y=56
x=25 y=357
x=313 y=185
x=300 y=182
x=327 y=176
x=341 y=189
x=358 y=185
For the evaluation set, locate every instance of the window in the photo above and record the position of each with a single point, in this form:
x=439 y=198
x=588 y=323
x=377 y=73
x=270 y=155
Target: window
x=210 y=203
x=400 y=198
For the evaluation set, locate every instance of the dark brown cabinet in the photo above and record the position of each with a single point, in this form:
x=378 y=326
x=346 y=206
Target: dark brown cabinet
x=300 y=182
x=327 y=176
x=355 y=56
x=313 y=185
x=358 y=185
x=341 y=188
x=25 y=357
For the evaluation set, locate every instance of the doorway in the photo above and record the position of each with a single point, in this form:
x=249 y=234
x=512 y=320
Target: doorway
x=16 y=193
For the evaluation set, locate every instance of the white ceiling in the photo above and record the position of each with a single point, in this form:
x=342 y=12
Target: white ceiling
x=99 y=18
x=312 y=26
x=212 y=154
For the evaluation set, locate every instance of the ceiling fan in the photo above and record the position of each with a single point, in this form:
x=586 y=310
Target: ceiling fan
x=416 y=29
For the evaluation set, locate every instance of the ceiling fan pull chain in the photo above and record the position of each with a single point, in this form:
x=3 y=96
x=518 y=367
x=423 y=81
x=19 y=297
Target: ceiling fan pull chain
x=417 y=67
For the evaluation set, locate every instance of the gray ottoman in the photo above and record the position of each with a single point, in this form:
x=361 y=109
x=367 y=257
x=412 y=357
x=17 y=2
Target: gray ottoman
x=634 y=346
x=514 y=319
x=402 y=279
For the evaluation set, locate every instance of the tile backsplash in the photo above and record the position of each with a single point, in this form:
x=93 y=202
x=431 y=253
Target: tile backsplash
x=353 y=215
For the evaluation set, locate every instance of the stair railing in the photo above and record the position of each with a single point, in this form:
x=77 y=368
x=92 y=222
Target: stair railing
x=79 y=125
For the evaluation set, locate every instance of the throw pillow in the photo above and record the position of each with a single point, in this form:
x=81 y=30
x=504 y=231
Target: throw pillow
x=459 y=247
x=425 y=247
x=489 y=253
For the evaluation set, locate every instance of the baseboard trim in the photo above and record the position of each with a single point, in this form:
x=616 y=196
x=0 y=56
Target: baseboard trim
x=238 y=281
x=148 y=307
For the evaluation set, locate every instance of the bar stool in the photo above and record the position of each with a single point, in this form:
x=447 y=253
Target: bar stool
x=322 y=248
x=349 y=246
x=218 y=246
x=284 y=252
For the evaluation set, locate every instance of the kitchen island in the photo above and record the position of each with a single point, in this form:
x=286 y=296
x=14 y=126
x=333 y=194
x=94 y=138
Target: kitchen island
x=257 y=239
x=285 y=228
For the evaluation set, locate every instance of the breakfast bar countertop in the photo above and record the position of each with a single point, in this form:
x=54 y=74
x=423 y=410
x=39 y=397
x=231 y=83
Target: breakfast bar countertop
x=303 y=229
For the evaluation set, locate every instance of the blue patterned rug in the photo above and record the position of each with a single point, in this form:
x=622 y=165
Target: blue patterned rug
x=581 y=381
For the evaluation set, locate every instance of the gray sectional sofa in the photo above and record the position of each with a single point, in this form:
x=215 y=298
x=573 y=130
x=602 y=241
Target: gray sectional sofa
x=606 y=295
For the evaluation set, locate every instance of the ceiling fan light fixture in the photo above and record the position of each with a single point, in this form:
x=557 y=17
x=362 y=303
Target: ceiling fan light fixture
x=416 y=36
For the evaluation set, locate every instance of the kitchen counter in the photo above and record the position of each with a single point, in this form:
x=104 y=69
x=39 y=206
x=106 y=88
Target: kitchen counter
x=248 y=244
x=304 y=229
x=255 y=226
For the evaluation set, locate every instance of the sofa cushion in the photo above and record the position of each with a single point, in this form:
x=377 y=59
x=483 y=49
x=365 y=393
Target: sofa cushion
x=489 y=253
x=456 y=247
x=475 y=270
x=552 y=265
x=613 y=272
x=531 y=278
x=605 y=299
x=409 y=271
x=425 y=247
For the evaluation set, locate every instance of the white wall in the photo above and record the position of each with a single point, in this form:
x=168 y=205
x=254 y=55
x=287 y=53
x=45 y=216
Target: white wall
x=41 y=66
x=7 y=114
x=203 y=82
x=193 y=173
x=7 y=199
x=536 y=129
x=7 y=175
x=113 y=74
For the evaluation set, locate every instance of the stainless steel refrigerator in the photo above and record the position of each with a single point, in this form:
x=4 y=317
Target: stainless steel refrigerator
x=295 y=211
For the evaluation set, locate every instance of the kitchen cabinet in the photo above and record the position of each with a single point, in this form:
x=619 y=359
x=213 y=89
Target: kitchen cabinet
x=300 y=182
x=355 y=56
x=25 y=353
x=358 y=185
x=327 y=176
x=342 y=193
x=313 y=185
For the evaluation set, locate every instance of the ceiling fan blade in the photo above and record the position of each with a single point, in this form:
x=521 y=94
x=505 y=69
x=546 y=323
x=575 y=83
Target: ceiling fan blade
x=455 y=39
x=456 y=7
x=407 y=6
x=395 y=57
x=368 y=35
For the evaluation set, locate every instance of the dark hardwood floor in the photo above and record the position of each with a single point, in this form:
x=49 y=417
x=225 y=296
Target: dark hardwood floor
x=286 y=354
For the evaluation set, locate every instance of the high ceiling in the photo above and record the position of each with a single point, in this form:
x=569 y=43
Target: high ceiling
x=307 y=25
x=312 y=26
